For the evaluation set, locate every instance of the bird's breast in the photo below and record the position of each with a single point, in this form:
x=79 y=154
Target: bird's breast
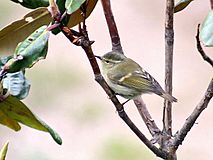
x=121 y=90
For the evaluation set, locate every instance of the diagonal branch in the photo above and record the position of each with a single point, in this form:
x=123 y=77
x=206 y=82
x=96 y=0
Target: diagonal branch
x=200 y=49
x=150 y=123
x=119 y=106
x=85 y=43
x=169 y=41
x=190 y=121
x=153 y=148
x=115 y=38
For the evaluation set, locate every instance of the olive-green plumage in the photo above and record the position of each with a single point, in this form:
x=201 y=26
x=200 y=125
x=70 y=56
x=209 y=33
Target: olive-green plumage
x=128 y=79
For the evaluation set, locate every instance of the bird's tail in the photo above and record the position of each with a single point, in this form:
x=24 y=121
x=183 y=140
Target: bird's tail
x=168 y=97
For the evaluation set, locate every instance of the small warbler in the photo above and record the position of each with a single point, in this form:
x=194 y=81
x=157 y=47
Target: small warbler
x=127 y=78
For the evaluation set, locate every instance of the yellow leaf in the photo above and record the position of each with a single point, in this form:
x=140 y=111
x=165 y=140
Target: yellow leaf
x=12 y=111
x=7 y=121
x=3 y=151
x=18 y=111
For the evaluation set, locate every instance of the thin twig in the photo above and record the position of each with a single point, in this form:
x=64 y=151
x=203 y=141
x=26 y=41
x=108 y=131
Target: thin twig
x=115 y=38
x=190 y=121
x=150 y=123
x=53 y=8
x=169 y=41
x=200 y=49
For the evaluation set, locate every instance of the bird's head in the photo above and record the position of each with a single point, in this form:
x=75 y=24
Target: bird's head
x=111 y=59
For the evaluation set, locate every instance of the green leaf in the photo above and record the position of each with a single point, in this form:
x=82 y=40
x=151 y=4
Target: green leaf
x=16 y=83
x=61 y=7
x=73 y=5
x=29 y=51
x=206 y=33
x=181 y=5
x=19 y=30
x=76 y=17
x=3 y=151
x=13 y=110
x=32 y=4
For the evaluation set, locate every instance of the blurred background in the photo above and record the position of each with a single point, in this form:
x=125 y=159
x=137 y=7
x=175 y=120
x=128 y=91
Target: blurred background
x=65 y=95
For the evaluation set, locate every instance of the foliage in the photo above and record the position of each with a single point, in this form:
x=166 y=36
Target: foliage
x=28 y=44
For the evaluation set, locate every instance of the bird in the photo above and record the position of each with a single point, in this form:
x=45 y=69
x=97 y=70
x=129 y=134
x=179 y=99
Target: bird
x=128 y=79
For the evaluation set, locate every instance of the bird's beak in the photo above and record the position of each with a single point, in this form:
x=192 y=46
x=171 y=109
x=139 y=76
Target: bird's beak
x=99 y=57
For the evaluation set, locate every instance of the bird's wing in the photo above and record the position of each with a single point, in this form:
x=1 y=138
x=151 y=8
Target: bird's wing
x=138 y=81
x=135 y=77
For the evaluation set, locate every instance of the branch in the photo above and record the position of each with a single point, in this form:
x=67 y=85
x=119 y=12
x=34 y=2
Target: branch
x=200 y=49
x=115 y=39
x=119 y=106
x=169 y=41
x=190 y=121
x=116 y=45
x=81 y=39
x=150 y=123
x=211 y=2
x=147 y=142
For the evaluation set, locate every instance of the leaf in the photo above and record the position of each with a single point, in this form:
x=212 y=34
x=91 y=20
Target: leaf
x=61 y=5
x=206 y=33
x=12 y=109
x=4 y=59
x=7 y=121
x=17 y=84
x=29 y=51
x=76 y=17
x=32 y=4
x=181 y=5
x=73 y=5
x=3 y=151
x=17 y=31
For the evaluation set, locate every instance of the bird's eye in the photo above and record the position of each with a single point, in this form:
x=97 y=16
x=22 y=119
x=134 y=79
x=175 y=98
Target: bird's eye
x=107 y=61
